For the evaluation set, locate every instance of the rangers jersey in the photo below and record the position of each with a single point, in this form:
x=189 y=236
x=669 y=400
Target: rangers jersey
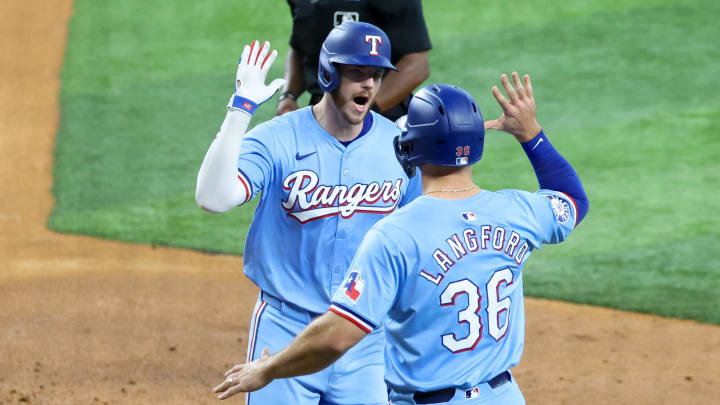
x=318 y=199
x=445 y=277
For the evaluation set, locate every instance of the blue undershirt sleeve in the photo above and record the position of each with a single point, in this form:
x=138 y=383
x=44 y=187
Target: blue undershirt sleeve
x=554 y=172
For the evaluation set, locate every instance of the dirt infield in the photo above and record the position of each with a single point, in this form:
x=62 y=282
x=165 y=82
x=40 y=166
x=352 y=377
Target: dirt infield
x=86 y=321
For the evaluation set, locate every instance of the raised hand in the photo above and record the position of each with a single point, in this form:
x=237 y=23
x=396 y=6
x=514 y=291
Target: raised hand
x=519 y=113
x=253 y=67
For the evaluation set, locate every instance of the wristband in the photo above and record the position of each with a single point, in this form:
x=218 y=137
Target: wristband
x=241 y=103
x=287 y=94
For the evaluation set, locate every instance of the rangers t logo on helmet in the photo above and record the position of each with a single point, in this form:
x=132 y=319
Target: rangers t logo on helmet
x=374 y=39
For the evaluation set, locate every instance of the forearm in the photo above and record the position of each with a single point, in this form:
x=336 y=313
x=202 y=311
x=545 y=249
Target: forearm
x=218 y=188
x=295 y=82
x=413 y=69
x=324 y=341
x=554 y=172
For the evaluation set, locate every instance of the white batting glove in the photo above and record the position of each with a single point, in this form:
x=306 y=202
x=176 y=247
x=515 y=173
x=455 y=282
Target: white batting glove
x=250 y=88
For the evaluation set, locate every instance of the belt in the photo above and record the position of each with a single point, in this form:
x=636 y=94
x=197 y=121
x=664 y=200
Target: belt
x=445 y=394
x=287 y=308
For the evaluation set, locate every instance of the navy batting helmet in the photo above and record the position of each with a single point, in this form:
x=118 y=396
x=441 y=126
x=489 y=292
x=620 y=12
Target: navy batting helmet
x=443 y=127
x=352 y=43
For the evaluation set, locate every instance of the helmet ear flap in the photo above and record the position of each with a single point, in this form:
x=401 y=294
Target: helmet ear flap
x=403 y=157
x=328 y=77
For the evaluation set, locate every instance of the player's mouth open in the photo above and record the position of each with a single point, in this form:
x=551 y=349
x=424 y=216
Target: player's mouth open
x=361 y=102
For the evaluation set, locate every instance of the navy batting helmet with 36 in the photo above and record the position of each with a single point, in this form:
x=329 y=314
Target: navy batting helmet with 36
x=352 y=43
x=443 y=127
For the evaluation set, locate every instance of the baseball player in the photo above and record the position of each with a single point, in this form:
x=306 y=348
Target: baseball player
x=401 y=20
x=445 y=272
x=327 y=173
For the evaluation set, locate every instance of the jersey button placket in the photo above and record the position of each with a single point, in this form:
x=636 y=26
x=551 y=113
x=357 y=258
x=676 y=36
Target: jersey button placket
x=338 y=269
x=344 y=164
x=340 y=230
x=341 y=241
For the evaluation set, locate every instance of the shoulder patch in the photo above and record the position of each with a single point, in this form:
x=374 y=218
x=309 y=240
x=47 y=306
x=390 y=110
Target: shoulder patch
x=560 y=207
x=354 y=286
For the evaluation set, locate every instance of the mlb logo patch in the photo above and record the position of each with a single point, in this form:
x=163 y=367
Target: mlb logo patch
x=469 y=216
x=560 y=208
x=247 y=106
x=354 y=286
x=342 y=16
x=472 y=393
x=461 y=161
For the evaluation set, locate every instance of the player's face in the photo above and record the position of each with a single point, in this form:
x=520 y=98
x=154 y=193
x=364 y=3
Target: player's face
x=356 y=92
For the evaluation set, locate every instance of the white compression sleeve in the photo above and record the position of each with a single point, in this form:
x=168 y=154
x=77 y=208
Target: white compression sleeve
x=218 y=187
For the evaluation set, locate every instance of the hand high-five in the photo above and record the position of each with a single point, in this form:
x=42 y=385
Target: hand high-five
x=253 y=67
x=518 y=117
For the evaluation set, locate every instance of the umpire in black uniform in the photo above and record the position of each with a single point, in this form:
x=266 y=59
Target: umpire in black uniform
x=402 y=21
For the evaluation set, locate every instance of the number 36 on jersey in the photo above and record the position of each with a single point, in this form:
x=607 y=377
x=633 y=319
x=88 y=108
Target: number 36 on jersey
x=498 y=310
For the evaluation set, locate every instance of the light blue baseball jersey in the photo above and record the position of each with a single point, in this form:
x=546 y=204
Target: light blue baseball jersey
x=318 y=200
x=446 y=278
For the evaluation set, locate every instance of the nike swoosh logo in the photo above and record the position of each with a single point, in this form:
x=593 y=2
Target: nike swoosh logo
x=538 y=143
x=298 y=156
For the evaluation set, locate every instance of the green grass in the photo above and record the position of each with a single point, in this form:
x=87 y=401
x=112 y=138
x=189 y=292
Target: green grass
x=626 y=90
